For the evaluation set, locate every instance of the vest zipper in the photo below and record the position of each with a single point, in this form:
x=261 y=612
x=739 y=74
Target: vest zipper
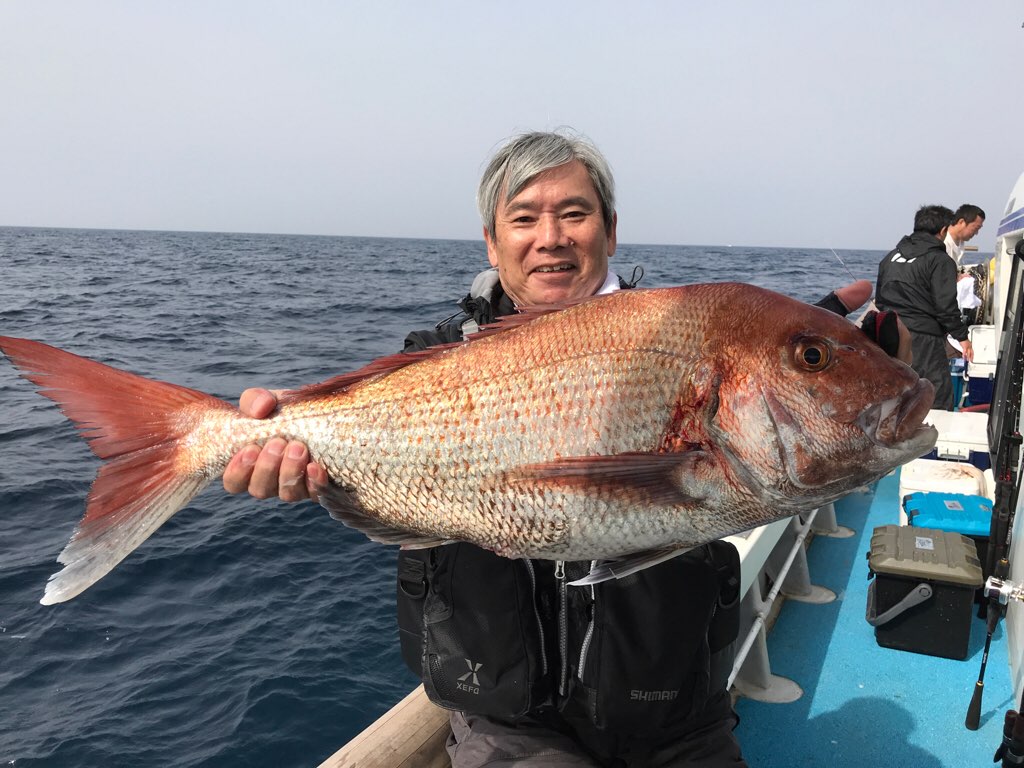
x=563 y=625
x=585 y=648
x=536 y=613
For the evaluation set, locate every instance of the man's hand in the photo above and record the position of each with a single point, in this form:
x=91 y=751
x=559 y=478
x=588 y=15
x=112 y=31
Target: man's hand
x=280 y=469
x=854 y=295
x=968 y=349
x=884 y=328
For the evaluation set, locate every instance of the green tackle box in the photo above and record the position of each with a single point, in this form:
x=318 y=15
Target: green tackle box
x=923 y=589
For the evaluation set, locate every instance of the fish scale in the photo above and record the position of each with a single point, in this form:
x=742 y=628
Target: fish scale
x=620 y=421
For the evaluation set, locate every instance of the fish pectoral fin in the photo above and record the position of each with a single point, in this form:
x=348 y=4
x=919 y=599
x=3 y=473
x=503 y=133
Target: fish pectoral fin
x=343 y=505
x=627 y=566
x=663 y=479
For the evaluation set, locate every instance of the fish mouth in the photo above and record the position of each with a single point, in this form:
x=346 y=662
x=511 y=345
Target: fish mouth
x=901 y=420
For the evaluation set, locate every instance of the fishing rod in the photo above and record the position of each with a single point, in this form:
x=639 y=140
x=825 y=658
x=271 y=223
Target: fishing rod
x=973 y=719
x=1004 y=441
x=848 y=270
x=1010 y=752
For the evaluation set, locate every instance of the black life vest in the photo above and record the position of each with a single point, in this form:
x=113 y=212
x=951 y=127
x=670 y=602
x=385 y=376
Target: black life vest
x=508 y=638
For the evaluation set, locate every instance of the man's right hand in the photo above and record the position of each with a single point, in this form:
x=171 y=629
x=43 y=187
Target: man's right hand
x=280 y=468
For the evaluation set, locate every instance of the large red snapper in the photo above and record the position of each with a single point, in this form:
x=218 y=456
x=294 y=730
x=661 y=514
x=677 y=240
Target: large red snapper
x=622 y=428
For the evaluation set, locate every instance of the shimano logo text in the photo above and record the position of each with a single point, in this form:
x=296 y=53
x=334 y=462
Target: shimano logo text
x=469 y=682
x=636 y=695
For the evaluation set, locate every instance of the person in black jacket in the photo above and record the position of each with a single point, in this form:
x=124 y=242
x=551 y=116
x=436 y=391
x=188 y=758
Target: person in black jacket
x=536 y=671
x=917 y=279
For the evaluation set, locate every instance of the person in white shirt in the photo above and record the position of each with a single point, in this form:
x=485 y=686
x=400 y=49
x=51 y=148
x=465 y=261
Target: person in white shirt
x=966 y=224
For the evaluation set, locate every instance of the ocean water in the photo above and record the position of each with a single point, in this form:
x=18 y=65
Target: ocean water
x=243 y=633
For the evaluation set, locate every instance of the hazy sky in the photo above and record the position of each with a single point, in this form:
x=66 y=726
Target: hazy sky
x=817 y=124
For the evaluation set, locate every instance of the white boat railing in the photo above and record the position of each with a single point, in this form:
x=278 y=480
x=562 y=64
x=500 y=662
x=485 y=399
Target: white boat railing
x=751 y=673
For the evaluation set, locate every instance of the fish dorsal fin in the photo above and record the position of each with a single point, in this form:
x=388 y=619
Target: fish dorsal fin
x=525 y=316
x=391 y=363
x=343 y=504
x=379 y=367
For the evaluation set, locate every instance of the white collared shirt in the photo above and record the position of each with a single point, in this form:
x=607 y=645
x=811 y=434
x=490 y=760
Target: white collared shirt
x=611 y=284
x=956 y=252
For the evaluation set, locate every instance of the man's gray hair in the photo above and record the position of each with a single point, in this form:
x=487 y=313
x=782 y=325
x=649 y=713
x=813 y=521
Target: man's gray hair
x=528 y=155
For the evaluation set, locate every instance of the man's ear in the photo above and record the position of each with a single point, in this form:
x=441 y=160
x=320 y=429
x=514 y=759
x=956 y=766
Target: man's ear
x=492 y=253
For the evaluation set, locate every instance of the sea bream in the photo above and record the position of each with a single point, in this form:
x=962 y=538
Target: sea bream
x=620 y=429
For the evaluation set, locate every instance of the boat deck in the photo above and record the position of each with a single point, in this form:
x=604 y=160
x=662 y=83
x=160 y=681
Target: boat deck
x=864 y=705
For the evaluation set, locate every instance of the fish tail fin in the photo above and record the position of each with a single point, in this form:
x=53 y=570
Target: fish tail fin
x=136 y=425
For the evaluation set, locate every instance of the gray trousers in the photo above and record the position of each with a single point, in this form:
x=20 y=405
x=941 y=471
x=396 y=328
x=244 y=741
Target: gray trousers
x=478 y=741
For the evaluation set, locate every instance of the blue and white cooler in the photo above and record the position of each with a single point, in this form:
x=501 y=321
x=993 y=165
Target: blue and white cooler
x=963 y=436
x=955 y=477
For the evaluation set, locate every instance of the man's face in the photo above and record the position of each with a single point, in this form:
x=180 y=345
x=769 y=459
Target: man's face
x=970 y=230
x=550 y=242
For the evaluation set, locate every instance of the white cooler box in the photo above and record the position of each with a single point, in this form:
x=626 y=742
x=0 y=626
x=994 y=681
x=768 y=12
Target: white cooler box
x=982 y=371
x=983 y=342
x=963 y=436
x=940 y=477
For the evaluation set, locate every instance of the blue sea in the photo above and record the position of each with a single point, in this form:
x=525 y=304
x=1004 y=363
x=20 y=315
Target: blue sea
x=243 y=633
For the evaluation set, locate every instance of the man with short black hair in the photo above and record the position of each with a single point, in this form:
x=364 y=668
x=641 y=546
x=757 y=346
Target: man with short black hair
x=966 y=223
x=917 y=279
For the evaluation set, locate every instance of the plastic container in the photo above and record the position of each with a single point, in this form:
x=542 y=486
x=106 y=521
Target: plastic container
x=957 y=374
x=980 y=373
x=921 y=596
x=963 y=436
x=979 y=382
x=968 y=515
x=939 y=477
x=983 y=342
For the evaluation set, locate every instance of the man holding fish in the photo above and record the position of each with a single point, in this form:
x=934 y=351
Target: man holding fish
x=552 y=661
x=560 y=483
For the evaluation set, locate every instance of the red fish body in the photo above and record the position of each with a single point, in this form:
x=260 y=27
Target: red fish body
x=622 y=428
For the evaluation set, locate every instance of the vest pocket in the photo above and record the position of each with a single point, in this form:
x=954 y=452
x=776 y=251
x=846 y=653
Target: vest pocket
x=481 y=647
x=412 y=592
x=647 y=665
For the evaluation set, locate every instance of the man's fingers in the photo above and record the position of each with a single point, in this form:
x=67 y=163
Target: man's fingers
x=292 y=475
x=257 y=403
x=968 y=351
x=264 y=482
x=278 y=469
x=239 y=470
x=316 y=476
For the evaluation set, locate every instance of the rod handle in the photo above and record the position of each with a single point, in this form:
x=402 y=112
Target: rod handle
x=973 y=720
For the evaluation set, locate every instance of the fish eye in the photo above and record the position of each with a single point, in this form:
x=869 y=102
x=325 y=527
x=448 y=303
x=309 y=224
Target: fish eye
x=812 y=355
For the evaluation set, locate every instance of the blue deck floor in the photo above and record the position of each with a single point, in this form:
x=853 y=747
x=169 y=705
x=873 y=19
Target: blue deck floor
x=864 y=705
